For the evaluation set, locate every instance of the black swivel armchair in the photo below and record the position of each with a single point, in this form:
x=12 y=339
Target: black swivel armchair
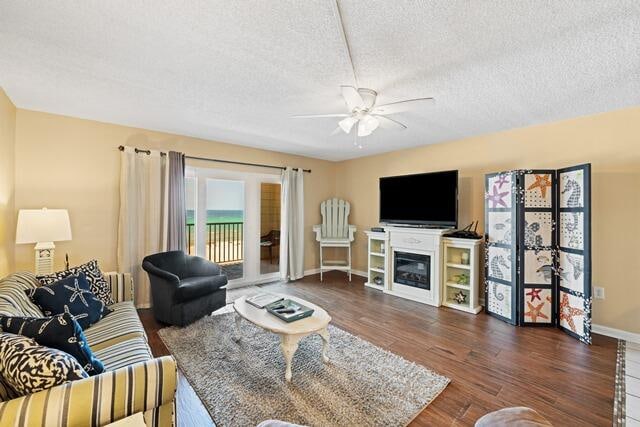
x=184 y=288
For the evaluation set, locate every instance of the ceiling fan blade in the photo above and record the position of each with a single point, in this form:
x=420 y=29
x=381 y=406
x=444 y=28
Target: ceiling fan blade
x=400 y=106
x=347 y=124
x=315 y=116
x=337 y=131
x=351 y=97
x=389 y=123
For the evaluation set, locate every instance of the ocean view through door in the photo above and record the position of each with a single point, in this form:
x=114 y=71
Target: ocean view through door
x=223 y=223
x=233 y=219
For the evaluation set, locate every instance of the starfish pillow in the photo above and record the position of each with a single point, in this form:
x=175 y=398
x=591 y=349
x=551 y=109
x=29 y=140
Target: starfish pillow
x=70 y=295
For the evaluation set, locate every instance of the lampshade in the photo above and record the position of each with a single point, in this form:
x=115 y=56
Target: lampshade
x=347 y=124
x=43 y=225
x=367 y=125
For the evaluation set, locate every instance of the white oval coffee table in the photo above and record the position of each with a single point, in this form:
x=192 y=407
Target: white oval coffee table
x=290 y=333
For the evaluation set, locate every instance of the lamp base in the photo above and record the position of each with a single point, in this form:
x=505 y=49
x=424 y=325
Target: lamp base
x=44 y=258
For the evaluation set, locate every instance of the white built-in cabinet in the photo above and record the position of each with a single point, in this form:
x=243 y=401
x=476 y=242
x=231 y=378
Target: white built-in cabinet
x=377 y=262
x=453 y=266
x=461 y=278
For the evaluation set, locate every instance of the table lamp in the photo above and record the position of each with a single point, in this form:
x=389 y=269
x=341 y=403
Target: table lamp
x=43 y=227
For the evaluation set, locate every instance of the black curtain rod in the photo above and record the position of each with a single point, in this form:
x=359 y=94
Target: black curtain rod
x=137 y=150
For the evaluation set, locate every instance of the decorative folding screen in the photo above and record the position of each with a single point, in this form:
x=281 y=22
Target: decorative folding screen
x=574 y=251
x=500 y=254
x=537 y=238
x=538 y=249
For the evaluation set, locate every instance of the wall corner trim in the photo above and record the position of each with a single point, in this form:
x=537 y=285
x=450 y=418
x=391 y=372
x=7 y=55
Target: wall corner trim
x=615 y=333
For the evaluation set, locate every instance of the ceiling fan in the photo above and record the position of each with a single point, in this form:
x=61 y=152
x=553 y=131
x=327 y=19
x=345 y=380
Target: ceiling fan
x=363 y=111
x=361 y=102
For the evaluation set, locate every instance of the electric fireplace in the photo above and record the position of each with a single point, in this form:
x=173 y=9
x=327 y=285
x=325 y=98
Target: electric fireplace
x=412 y=269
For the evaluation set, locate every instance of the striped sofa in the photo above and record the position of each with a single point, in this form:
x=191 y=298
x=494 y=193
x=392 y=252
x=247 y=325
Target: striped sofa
x=134 y=381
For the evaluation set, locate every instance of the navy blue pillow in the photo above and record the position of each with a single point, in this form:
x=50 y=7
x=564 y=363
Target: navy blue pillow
x=70 y=295
x=60 y=331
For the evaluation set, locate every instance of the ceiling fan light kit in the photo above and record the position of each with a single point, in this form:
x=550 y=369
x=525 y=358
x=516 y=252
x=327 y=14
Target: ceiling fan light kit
x=347 y=124
x=367 y=125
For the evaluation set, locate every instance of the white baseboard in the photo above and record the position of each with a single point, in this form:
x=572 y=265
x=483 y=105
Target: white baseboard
x=313 y=271
x=242 y=283
x=615 y=333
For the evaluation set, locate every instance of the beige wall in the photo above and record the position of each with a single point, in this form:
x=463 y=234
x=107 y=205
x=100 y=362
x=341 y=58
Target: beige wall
x=610 y=142
x=72 y=163
x=64 y=162
x=7 y=216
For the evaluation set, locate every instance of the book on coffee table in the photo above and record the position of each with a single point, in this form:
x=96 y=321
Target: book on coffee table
x=289 y=310
x=263 y=299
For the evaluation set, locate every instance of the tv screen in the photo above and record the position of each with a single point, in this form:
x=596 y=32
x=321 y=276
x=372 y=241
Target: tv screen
x=423 y=199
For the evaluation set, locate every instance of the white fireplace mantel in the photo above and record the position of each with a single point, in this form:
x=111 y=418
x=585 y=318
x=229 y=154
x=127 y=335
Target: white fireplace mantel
x=423 y=241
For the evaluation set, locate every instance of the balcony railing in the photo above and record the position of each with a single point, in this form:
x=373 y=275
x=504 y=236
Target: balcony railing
x=224 y=242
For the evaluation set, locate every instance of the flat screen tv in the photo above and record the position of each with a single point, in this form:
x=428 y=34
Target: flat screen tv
x=429 y=199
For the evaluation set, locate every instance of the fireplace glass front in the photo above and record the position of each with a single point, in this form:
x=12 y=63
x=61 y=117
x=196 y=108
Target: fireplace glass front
x=412 y=269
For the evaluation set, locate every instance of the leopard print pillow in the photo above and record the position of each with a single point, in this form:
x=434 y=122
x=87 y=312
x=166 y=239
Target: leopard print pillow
x=99 y=285
x=27 y=367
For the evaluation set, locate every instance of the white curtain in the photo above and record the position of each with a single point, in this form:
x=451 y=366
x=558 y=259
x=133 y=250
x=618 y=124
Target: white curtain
x=292 y=224
x=141 y=229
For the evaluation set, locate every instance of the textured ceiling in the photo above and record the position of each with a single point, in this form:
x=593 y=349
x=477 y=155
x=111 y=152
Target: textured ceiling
x=235 y=71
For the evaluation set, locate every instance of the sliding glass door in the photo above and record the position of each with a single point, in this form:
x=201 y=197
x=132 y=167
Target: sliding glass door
x=233 y=219
x=269 y=228
x=191 y=200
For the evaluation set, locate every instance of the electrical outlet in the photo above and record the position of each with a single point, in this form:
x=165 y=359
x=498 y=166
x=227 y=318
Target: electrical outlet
x=598 y=293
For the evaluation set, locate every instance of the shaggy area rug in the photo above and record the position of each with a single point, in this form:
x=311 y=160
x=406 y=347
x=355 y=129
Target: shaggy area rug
x=242 y=383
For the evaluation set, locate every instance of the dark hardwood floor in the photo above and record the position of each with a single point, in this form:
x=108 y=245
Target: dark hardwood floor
x=491 y=365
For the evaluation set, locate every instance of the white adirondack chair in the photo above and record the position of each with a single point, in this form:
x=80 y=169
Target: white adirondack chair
x=335 y=232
